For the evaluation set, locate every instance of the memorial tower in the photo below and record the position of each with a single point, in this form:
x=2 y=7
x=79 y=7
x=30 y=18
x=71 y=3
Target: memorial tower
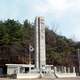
x=40 y=59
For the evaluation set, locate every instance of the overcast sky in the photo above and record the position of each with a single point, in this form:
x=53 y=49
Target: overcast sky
x=62 y=15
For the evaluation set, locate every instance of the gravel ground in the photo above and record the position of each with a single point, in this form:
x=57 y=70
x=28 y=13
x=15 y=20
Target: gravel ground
x=77 y=78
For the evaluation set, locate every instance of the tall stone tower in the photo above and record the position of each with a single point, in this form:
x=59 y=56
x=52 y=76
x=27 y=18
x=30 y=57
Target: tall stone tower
x=40 y=42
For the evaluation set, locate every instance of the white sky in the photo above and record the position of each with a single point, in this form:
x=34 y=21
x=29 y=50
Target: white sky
x=65 y=14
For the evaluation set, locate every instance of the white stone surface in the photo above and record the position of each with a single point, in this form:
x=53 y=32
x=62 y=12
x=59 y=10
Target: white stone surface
x=19 y=65
x=28 y=75
x=40 y=42
x=63 y=75
x=36 y=43
x=11 y=70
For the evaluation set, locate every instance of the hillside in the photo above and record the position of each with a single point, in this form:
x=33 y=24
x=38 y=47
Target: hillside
x=16 y=37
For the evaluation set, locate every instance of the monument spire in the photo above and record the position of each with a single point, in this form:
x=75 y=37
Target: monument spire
x=40 y=60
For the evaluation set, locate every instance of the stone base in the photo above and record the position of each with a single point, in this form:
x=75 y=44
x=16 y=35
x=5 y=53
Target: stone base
x=63 y=75
x=28 y=75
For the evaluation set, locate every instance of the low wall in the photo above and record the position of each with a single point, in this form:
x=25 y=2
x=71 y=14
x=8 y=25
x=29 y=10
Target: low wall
x=62 y=75
x=62 y=71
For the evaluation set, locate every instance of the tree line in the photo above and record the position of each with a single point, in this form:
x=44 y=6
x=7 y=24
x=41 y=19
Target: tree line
x=15 y=38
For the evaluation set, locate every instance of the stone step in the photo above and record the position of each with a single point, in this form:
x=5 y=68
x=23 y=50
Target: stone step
x=49 y=76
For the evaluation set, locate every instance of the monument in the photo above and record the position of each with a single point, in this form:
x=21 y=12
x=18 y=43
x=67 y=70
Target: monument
x=39 y=69
x=40 y=60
